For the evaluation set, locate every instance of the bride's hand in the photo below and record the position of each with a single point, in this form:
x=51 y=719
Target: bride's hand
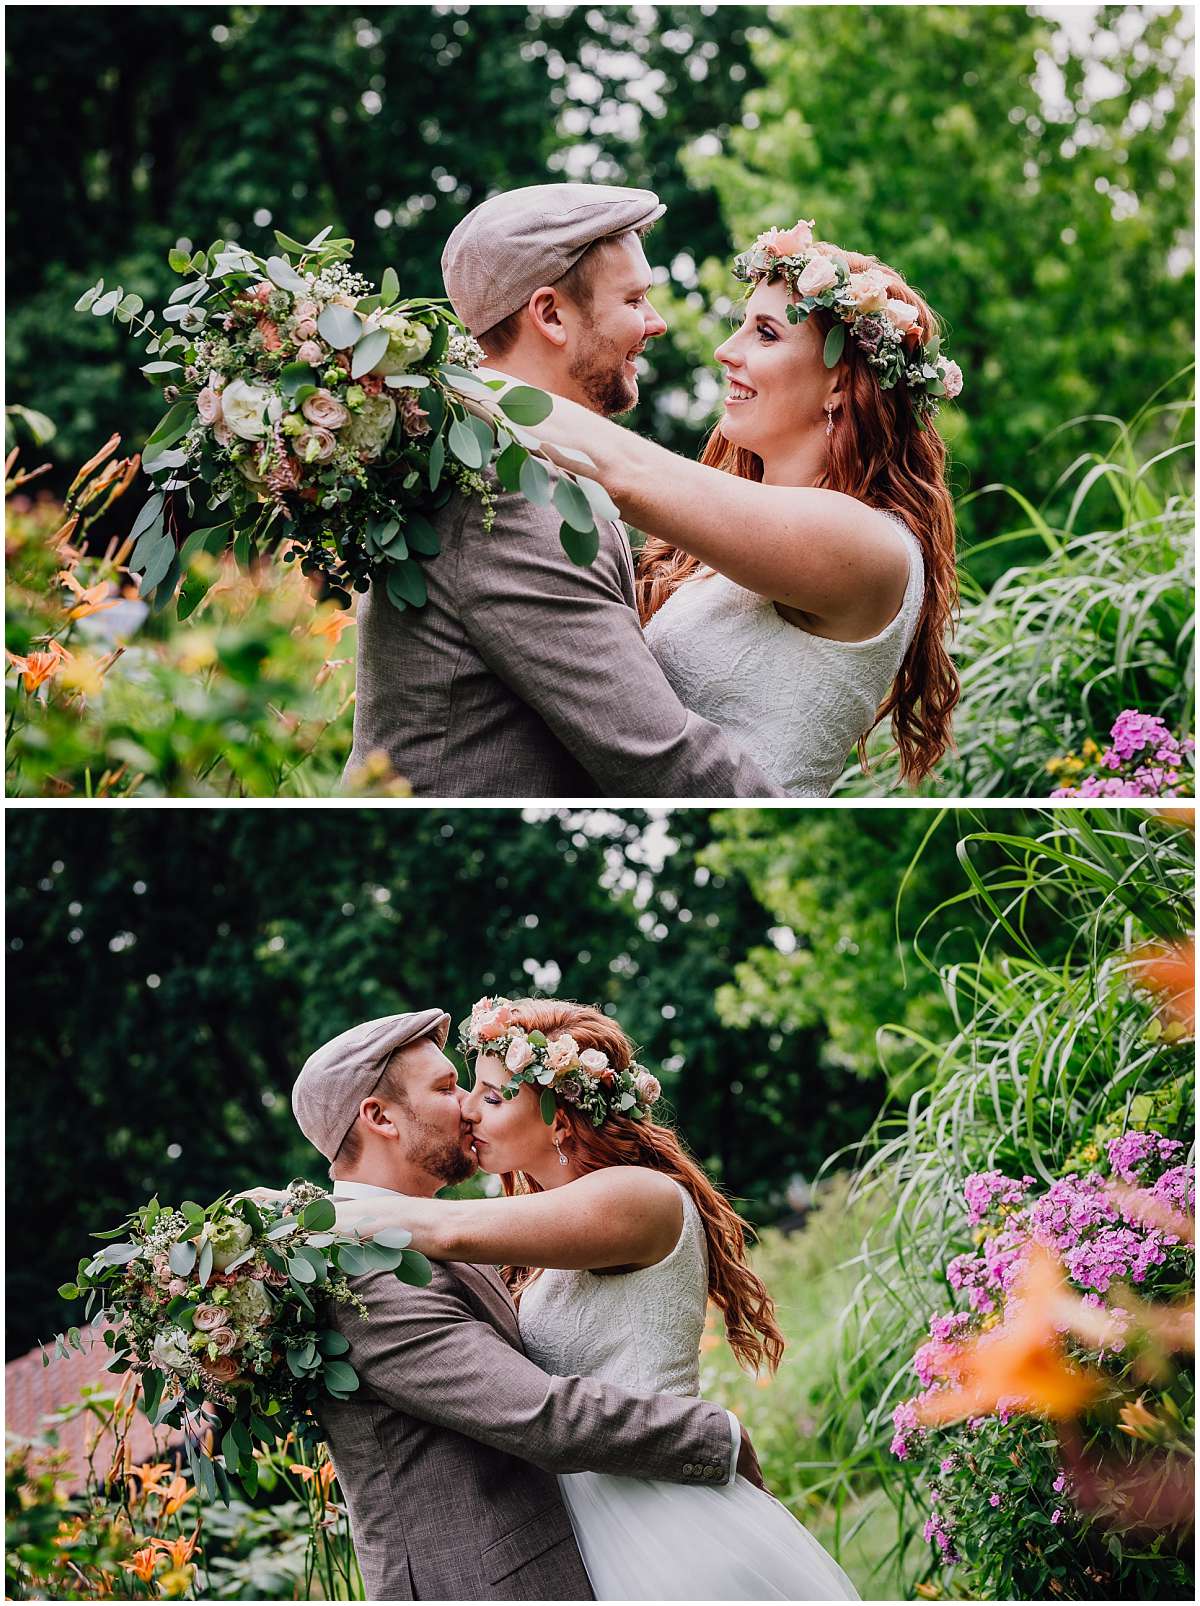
x=262 y=1196
x=358 y=1216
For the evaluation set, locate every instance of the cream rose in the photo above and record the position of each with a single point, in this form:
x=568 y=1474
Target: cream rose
x=310 y=353
x=228 y=1237
x=170 y=1349
x=868 y=291
x=207 y=1318
x=306 y=311
x=519 y=1055
x=952 y=378
x=324 y=409
x=648 y=1087
x=820 y=274
x=562 y=1052
x=243 y=407
x=902 y=313
x=304 y=329
x=315 y=445
x=492 y=1023
x=593 y=1060
x=408 y=342
x=208 y=405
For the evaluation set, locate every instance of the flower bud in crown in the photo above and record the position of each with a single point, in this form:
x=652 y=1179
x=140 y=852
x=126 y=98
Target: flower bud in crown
x=557 y=1066
x=884 y=328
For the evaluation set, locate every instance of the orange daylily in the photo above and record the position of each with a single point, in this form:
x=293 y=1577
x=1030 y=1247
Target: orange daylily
x=324 y=1475
x=106 y=450
x=143 y=1563
x=149 y=1473
x=38 y=667
x=174 y=1496
x=179 y=1550
x=1021 y=1360
x=1169 y=970
x=89 y=599
x=328 y=668
x=332 y=623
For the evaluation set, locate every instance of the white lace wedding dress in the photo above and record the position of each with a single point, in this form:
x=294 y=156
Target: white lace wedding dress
x=664 y=1541
x=795 y=702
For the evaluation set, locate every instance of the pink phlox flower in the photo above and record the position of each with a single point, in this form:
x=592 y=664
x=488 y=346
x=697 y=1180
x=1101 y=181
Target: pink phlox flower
x=1131 y=1153
x=993 y=1500
x=987 y=1189
x=1177 y=1188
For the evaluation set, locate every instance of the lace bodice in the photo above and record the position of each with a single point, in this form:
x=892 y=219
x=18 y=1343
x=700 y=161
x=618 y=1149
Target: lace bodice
x=797 y=703
x=640 y=1329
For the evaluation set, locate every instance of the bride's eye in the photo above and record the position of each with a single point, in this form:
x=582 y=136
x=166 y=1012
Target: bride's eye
x=769 y=334
x=492 y=1099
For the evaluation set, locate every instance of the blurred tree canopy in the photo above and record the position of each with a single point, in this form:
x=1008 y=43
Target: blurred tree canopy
x=1033 y=179
x=169 y=970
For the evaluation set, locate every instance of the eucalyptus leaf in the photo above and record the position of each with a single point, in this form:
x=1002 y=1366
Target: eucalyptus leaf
x=422 y=537
x=835 y=342
x=340 y=327
x=281 y=272
x=407 y=581
x=573 y=505
x=437 y=461
x=369 y=350
x=534 y=482
x=525 y=405
x=389 y=286
x=581 y=546
x=465 y=444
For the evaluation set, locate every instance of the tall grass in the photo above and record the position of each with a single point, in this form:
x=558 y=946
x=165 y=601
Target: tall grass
x=1044 y=1051
x=1101 y=621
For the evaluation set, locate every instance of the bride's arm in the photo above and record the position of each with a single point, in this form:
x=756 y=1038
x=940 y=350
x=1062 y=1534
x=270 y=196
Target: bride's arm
x=816 y=550
x=621 y=1216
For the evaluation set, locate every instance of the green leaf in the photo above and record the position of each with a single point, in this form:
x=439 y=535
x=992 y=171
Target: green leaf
x=389 y=286
x=160 y=367
x=394 y=1238
x=340 y=1375
x=332 y=1343
x=835 y=341
x=508 y=466
x=319 y=1216
x=422 y=537
x=415 y=1270
x=68 y=1291
x=151 y=512
x=352 y=1260
x=465 y=444
x=301 y=1269
x=292 y=377
x=535 y=482
x=286 y=243
x=204 y=1265
x=193 y=592
x=107 y=302
x=152 y=1389
x=158 y=564
x=548 y=1105
x=173 y=425
x=579 y=545
x=313 y=1258
x=574 y=506
x=281 y=272
x=437 y=461
x=340 y=327
x=933 y=349
x=526 y=406
x=601 y=504
x=407 y=581
x=179 y=261
x=368 y=352
x=318 y=240
x=89 y=296
x=182 y=1257
x=248 y=1476
x=211 y=538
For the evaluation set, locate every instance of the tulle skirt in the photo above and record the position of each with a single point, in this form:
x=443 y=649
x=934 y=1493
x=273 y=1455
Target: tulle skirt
x=676 y=1541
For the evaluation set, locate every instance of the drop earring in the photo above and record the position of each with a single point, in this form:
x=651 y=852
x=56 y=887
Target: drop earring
x=562 y=1159
x=829 y=418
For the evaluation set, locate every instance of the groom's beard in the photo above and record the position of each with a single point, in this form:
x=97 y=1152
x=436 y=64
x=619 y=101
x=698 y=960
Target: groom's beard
x=598 y=370
x=436 y=1154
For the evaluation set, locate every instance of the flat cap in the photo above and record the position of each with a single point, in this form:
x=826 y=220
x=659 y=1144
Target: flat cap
x=346 y=1070
x=512 y=243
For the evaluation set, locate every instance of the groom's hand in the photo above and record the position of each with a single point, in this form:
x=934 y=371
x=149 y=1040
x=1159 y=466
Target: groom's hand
x=747 y=1462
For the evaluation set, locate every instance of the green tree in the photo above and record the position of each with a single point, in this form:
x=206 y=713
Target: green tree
x=1036 y=189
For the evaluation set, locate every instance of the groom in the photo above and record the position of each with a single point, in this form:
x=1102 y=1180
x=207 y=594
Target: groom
x=447 y=1451
x=526 y=675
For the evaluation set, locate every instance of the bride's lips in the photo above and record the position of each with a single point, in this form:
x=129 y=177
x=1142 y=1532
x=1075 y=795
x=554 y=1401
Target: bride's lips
x=732 y=400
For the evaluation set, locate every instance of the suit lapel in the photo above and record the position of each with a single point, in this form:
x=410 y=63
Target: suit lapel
x=496 y=1295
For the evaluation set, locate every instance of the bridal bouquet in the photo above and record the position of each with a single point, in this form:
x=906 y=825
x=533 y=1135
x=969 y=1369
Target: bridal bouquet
x=218 y=1312
x=315 y=416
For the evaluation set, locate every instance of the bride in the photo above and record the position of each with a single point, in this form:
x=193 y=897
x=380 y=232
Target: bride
x=614 y=1241
x=797 y=584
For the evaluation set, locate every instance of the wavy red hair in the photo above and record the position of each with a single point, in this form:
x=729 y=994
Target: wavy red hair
x=750 y=1326
x=879 y=454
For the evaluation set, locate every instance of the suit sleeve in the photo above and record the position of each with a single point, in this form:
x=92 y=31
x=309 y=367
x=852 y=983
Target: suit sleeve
x=565 y=640
x=428 y=1353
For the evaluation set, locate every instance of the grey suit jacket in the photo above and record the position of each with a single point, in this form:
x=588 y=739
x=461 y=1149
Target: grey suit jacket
x=528 y=676
x=448 y=1449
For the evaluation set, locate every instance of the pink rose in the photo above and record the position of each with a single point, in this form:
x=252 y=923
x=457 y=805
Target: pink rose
x=177 y=1286
x=786 y=242
x=519 y=1055
x=315 y=445
x=306 y=311
x=594 y=1061
x=262 y=291
x=868 y=291
x=223 y=1370
x=648 y=1087
x=324 y=409
x=309 y=352
x=304 y=329
x=207 y=1318
x=562 y=1052
x=225 y=1339
x=222 y=433
x=208 y=405
x=952 y=378
x=820 y=274
x=902 y=313
x=493 y=1023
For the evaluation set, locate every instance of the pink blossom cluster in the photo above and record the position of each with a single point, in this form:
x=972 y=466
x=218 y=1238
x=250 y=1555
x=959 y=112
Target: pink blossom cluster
x=1129 y=1155
x=992 y=1188
x=1177 y=1188
x=1148 y=757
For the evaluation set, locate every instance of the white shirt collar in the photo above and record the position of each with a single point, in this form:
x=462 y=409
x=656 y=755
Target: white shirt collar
x=361 y=1190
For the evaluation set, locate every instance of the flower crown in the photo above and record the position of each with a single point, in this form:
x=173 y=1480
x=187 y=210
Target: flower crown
x=558 y=1066
x=885 y=329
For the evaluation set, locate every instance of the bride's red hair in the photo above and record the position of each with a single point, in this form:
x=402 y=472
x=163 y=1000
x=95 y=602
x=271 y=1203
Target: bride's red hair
x=748 y=1309
x=878 y=455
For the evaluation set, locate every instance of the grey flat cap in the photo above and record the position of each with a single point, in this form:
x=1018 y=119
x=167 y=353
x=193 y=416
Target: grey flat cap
x=512 y=243
x=346 y=1070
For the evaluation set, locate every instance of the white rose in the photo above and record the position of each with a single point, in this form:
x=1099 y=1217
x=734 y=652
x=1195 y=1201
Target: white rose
x=519 y=1055
x=902 y=313
x=170 y=1349
x=243 y=406
x=868 y=291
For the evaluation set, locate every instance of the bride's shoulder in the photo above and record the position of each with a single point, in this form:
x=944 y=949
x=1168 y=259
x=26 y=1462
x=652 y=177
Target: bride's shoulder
x=634 y=1186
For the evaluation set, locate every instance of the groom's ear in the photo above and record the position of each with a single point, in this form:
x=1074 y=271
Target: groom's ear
x=545 y=308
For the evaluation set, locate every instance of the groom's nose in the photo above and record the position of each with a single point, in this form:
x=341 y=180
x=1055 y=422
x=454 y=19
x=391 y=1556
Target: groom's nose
x=655 y=324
